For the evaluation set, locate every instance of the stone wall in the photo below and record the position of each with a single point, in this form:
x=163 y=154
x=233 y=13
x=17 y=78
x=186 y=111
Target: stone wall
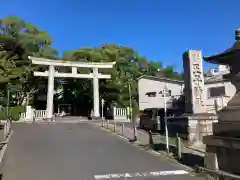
x=226 y=162
x=226 y=157
x=192 y=127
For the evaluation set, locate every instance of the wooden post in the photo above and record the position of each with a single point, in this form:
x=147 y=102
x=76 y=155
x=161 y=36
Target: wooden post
x=122 y=126
x=114 y=127
x=179 y=147
x=9 y=127
x=5 y=130
x=150 y=138
x=107 y=124
x=135 y=137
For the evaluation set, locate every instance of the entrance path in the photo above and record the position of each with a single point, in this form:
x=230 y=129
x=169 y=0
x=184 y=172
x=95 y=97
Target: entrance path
x=80 y=151
x=70 y=119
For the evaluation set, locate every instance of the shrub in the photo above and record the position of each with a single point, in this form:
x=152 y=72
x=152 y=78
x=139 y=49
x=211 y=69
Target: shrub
x=14 y=111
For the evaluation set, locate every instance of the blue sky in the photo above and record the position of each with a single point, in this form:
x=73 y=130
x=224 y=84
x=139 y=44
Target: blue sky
x=159 y=29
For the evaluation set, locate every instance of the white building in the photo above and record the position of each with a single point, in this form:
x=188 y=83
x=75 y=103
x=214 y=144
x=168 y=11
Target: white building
x=216 y=90
x=149 y=91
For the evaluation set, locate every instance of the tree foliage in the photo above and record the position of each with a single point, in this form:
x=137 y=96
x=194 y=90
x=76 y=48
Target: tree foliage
x=19 y=39
x=129 y=67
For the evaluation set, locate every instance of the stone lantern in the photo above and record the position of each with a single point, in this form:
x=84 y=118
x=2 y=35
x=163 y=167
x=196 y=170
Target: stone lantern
x=223 y=147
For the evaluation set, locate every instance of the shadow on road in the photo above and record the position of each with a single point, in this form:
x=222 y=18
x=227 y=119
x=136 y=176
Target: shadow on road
x=188 y=159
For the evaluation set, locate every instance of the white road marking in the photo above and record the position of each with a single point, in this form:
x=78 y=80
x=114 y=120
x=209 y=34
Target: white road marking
x=139 y=174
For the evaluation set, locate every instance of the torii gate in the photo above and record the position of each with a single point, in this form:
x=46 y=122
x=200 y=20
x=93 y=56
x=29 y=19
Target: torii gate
x=51 y=74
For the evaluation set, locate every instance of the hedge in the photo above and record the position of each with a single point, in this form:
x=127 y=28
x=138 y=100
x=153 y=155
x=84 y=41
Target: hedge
x=14 y=111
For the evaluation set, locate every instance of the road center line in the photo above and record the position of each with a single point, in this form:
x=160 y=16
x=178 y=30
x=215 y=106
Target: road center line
x=140 y=174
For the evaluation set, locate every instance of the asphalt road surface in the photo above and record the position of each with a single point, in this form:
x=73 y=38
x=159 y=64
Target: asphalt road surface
x=80 y=152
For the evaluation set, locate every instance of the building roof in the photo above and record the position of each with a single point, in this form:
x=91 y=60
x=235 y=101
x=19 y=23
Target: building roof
x=218 y=77
x=221 y=58
x=156 y=78
x=227 y=55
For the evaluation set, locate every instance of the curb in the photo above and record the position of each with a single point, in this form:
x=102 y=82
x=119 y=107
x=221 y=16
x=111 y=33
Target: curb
x=2 y=151
x=165 y=156
x=187 y=147
x=113 y=133
x=194 y=149
x=52 y=122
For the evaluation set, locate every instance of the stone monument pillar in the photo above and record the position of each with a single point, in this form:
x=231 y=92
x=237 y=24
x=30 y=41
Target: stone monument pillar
x=194 y=82
x=196 y=122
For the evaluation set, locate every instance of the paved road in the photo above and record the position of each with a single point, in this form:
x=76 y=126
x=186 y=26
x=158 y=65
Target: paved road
x=79 y=152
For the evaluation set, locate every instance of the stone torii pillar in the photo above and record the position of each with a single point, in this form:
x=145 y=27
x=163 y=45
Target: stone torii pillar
x=50 y=92
x=51 y=74
x=96 y=93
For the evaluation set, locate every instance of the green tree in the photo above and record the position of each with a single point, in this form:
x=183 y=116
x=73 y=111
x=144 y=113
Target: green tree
x=170 y=73
x=19 y=40
x=129 y=67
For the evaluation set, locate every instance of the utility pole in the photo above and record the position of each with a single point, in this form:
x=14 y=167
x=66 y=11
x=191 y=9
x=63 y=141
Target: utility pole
x=130 y=98
x=102 y=103
x=165 y=94
x=131 y=114
x=131 y=109
x=8 y=99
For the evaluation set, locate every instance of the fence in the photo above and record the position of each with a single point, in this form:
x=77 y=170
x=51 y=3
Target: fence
x=39 y=114
x=219 y=103
x=121 y=114
x=22 y=116
x=32 y=114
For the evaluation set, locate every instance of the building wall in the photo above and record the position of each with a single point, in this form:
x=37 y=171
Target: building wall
x=230 y=90
x=147 y=85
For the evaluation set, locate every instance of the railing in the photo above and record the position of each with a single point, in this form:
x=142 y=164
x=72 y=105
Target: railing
x=22 y=116
x=219 y=104
x=121 y=114
x=33 y=115
x=39 y=114
x=212 y=108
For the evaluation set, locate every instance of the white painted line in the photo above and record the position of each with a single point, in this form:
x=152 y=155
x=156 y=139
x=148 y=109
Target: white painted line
x=139 y=174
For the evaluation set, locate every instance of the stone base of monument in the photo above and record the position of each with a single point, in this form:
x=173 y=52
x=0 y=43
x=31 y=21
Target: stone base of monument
x=227 y=129
x=192 y=127
x=222 y=153
x=224 y=146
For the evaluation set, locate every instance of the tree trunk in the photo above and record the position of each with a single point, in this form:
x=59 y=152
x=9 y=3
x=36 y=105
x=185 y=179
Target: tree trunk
x=27 y=97
x=24 y=101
